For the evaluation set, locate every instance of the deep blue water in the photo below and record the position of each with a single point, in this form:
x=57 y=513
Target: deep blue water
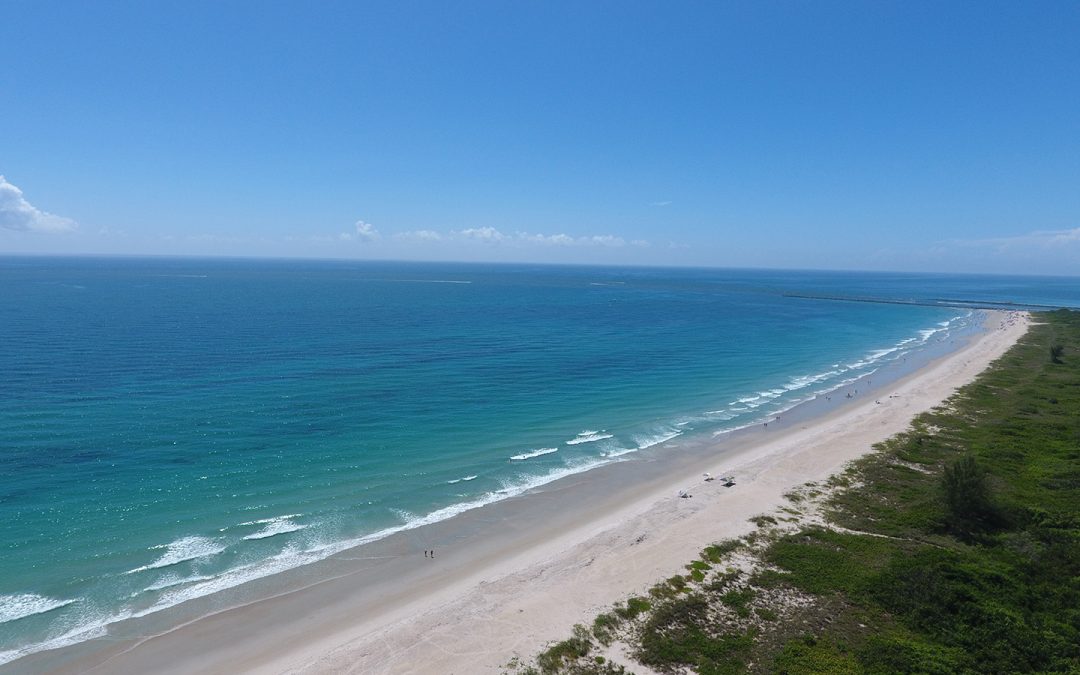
x=173 y=427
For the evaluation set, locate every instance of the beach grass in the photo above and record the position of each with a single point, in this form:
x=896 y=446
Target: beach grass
x=953 y=548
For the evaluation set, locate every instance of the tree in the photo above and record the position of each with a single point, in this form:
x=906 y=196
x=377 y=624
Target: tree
x=967 y=495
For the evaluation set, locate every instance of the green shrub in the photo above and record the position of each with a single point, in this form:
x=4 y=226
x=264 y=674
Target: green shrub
x=604 y=627
x=716 y=552
x=807 y=655
x=739 y=600
x=1056 y=352
x=560 y=655
x=884 y=655
x=766 y=613
x=967 y=496
x=634 y=606
x=678 y=634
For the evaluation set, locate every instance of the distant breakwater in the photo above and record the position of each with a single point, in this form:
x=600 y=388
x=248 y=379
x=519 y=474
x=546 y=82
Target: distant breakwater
x=933 y=302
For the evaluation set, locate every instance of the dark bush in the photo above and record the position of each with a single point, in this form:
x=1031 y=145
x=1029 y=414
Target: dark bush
x=967 y=496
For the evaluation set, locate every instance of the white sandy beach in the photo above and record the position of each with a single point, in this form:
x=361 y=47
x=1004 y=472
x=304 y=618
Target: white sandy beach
x=472 y=611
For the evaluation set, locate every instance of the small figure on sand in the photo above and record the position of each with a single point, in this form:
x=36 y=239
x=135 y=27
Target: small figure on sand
x=708 y=477
x=684 y=494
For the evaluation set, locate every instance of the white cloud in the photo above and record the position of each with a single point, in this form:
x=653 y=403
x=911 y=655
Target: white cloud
x=666 y=203
x=482 y=234
x=419 y=235
x=1034 y=252
x=364 y=232
x=605 y=240
x=18 y=214
x=552 y=239
x=519 y=239
x=1038 y=238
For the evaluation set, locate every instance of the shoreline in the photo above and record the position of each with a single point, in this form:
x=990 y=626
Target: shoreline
x=489 y=596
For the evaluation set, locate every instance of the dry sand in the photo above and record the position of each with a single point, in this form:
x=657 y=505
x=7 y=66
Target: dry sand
x=475 y=612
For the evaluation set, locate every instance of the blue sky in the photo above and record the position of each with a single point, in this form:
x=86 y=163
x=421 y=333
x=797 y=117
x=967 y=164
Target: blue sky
x=938 y=136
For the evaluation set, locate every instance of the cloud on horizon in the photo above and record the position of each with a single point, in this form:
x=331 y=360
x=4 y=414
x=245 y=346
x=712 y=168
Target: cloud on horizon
x=364 y=232
x=1040 y=252
x=21 y=216
x=482 y=234
x=1038 y=238
x=419 y=235
x=492 y=235
x=1061 y=242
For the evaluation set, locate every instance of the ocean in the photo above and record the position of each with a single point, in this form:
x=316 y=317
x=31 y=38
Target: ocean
x=172 y=428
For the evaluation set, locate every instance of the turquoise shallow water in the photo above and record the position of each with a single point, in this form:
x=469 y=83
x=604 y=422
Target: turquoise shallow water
x=171 y=428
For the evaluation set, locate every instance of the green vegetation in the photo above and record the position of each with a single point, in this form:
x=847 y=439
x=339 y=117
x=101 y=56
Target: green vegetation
x=634 y=607
x=680 y=633
x=955 y=548
x=967 y=497
x=763 y=521
x=558 y=657
x=808 y=655
x=715 y=553
x=1056 y=351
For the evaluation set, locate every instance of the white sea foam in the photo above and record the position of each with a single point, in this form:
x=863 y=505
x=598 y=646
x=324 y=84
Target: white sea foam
x=263 y=521
x=79 y=634
x=871 y=358
x=172 y=580
x=655 y=439
x=722 y=415
x=181 y=550
x=928 y=333
x=22 y=605
x=904 y=345
x=275 y=526
x=803 y=381
x=458 y=480
x=287 y=559
x=589 y=437
x=534 y=453
x=617 y=452
x=510 y=488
